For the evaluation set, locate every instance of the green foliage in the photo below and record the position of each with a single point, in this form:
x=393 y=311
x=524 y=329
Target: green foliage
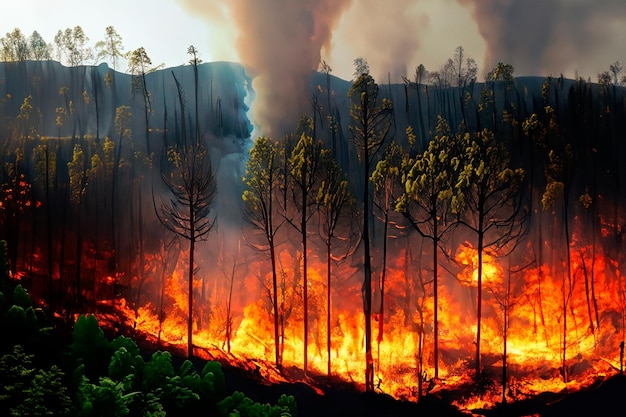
x=105 y=399
x=158 y=370
x=127 y=343
x=46 y=395
x=552 y=193
x=110 y=47
x=21 y=297
x=261 y=180
x=372 y=117
x=126 y=367
x=78 y=177
x=15 y=376
x=487 y=182
x=429 y=181
x=108 y=379
x=90 y=346
x=240 y=405
x=213 y=375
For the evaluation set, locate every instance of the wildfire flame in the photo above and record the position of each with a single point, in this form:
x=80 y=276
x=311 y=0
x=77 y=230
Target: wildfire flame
x=535 y=333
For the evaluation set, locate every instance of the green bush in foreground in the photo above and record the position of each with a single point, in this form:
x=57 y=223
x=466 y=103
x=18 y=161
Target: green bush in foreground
x=92 y=376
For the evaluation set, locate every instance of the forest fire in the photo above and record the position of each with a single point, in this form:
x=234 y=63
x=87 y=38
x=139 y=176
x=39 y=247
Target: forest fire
x=534 y=333
x=441 y=262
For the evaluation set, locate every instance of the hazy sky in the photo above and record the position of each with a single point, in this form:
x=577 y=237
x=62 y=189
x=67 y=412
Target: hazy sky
x=537 y=36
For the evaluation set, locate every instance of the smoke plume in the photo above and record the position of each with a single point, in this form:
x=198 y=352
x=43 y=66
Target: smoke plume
x=543 y=37
x=386 y=33
x=279 y=43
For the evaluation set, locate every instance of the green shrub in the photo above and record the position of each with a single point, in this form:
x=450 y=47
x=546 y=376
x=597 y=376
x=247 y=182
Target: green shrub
x=91 y=347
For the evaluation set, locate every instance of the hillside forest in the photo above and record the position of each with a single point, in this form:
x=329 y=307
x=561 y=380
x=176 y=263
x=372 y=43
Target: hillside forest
x=397 y=234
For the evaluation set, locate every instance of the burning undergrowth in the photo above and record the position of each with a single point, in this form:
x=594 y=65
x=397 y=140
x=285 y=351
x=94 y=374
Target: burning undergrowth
x=233 y=322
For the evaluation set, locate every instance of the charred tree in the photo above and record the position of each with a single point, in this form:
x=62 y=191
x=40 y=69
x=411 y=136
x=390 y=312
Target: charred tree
x=191 y=182
x=371 y=123
x=493 y=208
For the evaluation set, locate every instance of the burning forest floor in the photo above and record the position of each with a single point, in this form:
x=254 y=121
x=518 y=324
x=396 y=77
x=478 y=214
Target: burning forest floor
x=316 y=394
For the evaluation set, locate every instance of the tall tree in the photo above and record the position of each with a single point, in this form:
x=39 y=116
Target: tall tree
x=39 y=49
x=306 y=164
x=191 y=182
x=112 y=159
x=111 y=47
x=262 y=181
x=559 y=173
x=429 y=200
x=45 y=174
x=336 y=209
x=371 y=117
x=78 y=183
x=462 y=69
x=387 y=181
x=489 y=190
x=195 y=61
x=140 y=65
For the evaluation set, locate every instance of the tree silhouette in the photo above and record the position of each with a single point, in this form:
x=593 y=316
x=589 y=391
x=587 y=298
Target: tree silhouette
x=429 y=200
x=336 y=214
x=262 y=181
x=193 y=187
x=488 y=190
x=371 y=124
x=306 y=164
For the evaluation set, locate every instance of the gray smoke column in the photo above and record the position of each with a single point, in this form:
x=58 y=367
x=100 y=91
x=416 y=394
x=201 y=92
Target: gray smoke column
x=548 y=37
x=279 y=44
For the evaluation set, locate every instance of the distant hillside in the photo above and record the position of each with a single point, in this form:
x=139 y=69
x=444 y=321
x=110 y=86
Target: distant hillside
x=96 y=91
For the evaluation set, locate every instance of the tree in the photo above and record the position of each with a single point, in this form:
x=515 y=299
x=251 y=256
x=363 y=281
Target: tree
x=489 y=191
x=616 y=72
x=78 y=183
x=262 y=180
x=195 y=61
x=336 y=208
x=430 y=199
x=419 y=79
x=72 y=44
x=14 y=47
x=388 y=186
x=501 y=74
x=462 y=70
x=306 y=164
x=139 y=65
x=507 y=294
x=110 y=47
x=112 y=160
x=39 y=49
x=193 y=187
x=230 y=273
x=372 y=122
x=45 y=173
x=361 y=66
x=559 y=173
